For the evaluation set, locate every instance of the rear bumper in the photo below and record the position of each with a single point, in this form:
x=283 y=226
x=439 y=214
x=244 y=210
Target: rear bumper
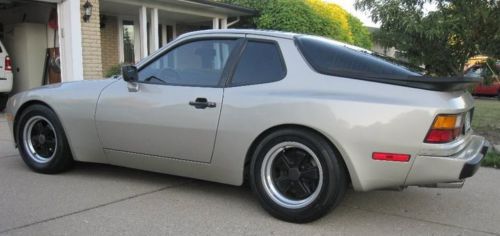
x=6 y=83
x=471 y=166
x=429 y=170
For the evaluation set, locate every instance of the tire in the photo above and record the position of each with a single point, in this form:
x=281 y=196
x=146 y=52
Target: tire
x=297 y=175
x=3 y=101
x=498 y=95
x=48 y=150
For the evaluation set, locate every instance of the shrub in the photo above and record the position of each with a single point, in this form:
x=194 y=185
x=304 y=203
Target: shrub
x=308 y=17
x=114 y=70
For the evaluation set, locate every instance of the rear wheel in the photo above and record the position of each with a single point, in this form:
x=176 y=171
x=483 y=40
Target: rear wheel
x=297 y=175
x=41 y=140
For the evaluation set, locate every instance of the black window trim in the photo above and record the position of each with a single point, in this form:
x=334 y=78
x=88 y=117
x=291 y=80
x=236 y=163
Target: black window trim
x=239 y=40
x=236 y=62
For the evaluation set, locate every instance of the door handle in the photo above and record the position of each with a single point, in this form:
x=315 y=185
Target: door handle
x=202 y=103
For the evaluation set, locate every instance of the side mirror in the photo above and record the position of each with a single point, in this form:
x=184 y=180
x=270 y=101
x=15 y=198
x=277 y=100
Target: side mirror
x=130 y=74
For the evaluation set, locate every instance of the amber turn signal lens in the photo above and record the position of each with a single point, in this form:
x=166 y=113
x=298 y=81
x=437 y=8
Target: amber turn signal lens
x=445 y=122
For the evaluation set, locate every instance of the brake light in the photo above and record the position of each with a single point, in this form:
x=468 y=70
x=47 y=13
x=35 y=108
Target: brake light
x=8 y=64
x=445 y=128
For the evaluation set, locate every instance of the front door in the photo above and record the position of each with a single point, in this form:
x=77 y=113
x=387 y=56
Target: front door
x=175 y=112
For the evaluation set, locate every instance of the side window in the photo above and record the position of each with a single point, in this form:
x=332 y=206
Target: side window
x=261 y=62
x=198 y=63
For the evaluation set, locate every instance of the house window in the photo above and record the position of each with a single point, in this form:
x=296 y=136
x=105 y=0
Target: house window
x=1 y=31
x=160 y=35
x=128 y=42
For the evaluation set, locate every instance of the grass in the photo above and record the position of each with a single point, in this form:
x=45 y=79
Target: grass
x=486 y=115
x=491 y=159
x=486 y=122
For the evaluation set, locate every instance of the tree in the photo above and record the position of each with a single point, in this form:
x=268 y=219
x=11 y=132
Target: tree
x=338 y=18
x=443 y=39
x=360 y=35
x=295 y=16
x=306 y=16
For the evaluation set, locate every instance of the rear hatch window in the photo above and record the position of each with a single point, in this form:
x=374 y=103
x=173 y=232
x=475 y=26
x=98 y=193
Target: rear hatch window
x=330 y=57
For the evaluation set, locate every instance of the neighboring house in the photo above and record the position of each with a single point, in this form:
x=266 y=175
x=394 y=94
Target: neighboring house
x=41 y=35
x=386 y=51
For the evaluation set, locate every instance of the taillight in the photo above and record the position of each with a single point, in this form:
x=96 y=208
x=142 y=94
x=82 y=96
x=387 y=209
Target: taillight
x=8 y=64
x=445 y=129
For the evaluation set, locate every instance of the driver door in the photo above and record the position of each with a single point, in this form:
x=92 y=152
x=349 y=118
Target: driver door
x=175 y=111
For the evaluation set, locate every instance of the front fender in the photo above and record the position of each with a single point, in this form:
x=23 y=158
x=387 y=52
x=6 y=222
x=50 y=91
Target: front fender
x=74 y=104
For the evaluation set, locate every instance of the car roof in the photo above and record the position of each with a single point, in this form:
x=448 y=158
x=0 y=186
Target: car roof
x=270 y=33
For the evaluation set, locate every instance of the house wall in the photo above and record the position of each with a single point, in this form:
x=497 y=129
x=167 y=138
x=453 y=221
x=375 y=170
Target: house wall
x=91 y=43
x=109 y=43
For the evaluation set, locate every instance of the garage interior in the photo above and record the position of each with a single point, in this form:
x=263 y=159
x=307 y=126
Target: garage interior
x=29 y=31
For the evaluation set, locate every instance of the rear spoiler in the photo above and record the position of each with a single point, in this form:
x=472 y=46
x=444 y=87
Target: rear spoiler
x=445 y=84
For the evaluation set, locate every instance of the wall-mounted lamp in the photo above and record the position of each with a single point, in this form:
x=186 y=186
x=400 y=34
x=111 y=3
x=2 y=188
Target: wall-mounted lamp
x=87 y=11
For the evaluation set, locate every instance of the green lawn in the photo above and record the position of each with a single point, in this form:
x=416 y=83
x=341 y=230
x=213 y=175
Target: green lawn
x=486 y=114
x=486 y=122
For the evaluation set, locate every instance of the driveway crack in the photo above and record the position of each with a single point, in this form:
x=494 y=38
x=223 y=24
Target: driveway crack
x=422 y=220
x=13 y=155
x=97 y=206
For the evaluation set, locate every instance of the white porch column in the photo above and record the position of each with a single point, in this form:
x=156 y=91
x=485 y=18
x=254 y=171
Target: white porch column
x=121 y=54
x=143 y=28
x=137 y=41
x=70 y=40
x=215 y=23
x=174 y=31
x=223 y=23
x=163 y=34
x=154 y=31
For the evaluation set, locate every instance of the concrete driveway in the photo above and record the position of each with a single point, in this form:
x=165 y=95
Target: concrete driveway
x=104 y=200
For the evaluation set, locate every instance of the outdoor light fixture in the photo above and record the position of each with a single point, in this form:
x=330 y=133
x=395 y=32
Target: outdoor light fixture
x=87 y=11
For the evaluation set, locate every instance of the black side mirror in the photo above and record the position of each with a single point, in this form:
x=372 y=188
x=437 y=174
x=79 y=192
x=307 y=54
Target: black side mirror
x=129 y=73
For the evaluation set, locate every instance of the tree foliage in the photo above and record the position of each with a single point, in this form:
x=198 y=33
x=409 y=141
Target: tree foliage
x=336 y=16
x=360 y=35
x=442 y=39
x=307 y=16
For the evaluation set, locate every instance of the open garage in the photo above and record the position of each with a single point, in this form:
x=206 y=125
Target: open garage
x=29 y=32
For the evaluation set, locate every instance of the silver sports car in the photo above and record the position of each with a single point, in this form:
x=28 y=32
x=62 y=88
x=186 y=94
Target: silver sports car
x=300 y=118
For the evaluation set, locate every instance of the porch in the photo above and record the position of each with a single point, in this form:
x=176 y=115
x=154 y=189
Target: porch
x=131 y=30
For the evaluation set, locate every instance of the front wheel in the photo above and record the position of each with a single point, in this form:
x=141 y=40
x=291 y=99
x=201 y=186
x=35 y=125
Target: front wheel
x=41 y=140
x=297 y=175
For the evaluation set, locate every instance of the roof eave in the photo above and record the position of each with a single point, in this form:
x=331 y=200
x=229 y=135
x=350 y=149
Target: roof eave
x=244 y=10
